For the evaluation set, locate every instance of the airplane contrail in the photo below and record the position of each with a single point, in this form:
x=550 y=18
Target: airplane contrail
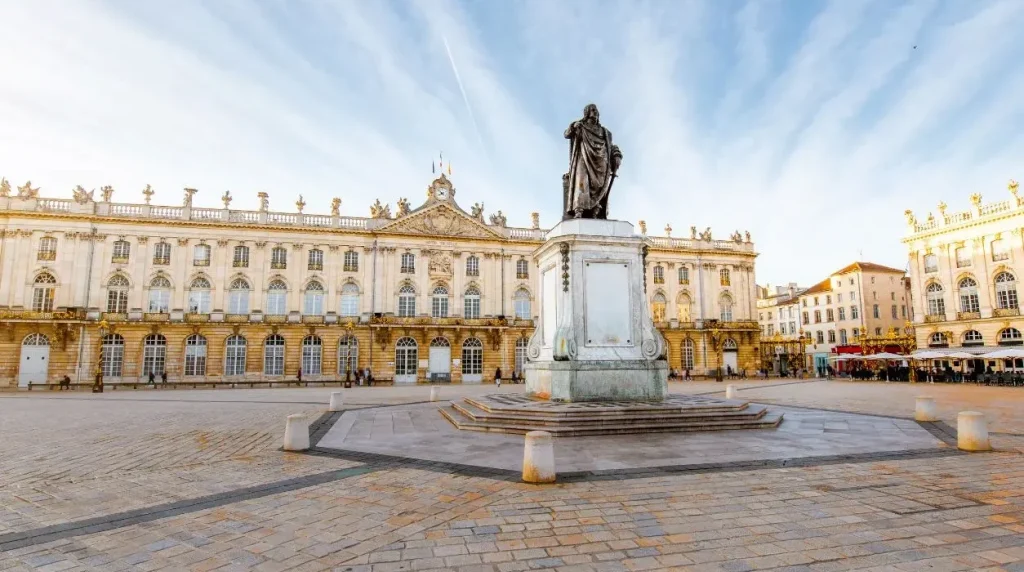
x=465 y=98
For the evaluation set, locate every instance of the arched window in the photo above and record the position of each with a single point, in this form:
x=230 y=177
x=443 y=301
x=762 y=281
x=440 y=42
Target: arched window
x=234 y=356
x=1006 y=291
x=684 y=275
x=683 y=305
x=521 y=304
x=938 y=339
x=241 y=258
x=43 y=289
x=687 y=354
x=35 y=340
x=724 y=278
x=348 y=355
x=522 y=269
x=931 y=263
x=472 y=357
x=659 y=274
x=273 y=355
x=936 y=302
x=312 y=355
x=658 y=304
x=277 y=298
x=195 y=355
x=730 y=345
x=726 y=307
x=122 y=250
x=406 y=301
x=472 y=266
x=159 y=295
x=406 y=358
x=279 y=258
x=471 y=303
x=199 y=296
x=112 y=355
x=968 y=295
x=1010 y=337
x=439 y=302
x=154 y=355
x=238 y=297
x=521 y=346
x=349 y=300
x=315 y=259
x=47 y=248
x=973 y=338
x=408 y=263
x=117 y=294
x=313 y=299
x=351 y=261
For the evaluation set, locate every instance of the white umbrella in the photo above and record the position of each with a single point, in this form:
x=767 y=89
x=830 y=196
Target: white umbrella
x=960 y=355
x=927 y=354
x=885 y=356
x=1007 y=353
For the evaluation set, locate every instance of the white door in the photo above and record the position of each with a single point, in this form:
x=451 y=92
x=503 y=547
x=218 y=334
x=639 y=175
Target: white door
x=35 y=360
x=440 y=360
x=730 y=361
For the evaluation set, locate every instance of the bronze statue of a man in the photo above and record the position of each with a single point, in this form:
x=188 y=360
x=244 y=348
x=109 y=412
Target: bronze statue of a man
x=593 y=164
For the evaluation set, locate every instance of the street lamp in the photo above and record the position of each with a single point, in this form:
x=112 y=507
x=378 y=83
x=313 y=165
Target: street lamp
x=97 y=386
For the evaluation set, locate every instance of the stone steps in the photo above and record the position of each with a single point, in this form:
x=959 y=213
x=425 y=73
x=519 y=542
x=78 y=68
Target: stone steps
x=588 y=410
x=465 y=418
x=473 y=412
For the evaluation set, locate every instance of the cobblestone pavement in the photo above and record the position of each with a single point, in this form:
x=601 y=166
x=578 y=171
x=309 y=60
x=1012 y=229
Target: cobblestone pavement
x=195 y=480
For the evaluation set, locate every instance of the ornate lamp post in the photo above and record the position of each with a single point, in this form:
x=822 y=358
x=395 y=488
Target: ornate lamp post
x=97 y=386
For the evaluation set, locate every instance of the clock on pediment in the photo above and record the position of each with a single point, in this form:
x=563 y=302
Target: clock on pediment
x=441 y=189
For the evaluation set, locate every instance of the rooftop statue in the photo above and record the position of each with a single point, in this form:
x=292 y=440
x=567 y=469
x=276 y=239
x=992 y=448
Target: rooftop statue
x=593 y=164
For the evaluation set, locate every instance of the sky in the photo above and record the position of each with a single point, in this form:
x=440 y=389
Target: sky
x=811 y=124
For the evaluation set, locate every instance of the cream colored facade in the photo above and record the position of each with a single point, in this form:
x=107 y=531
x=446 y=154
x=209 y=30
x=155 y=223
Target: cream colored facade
x=221 y=294
x=778 y=311
x=964 y=267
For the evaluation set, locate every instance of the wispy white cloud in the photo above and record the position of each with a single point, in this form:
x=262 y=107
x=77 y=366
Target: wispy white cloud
x=814 y=125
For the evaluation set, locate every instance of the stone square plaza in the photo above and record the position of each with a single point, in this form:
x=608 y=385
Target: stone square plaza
x=197 y=480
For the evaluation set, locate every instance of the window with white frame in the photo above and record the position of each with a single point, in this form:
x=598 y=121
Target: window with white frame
x=723 y=276
x=238 y=296
x=112 y=355
x=159 y=295
x=659 y=275
x=279 y=258
x=963 y=257
x=820 y=337
x=842 y=313
x=406 y=356
x=313 y=299
x=315 y=259
x=938 y=339
x=162 y=253
x=1000 y=251
x=241 y=257
x=522 y=344
x=154 y=355
x=408 y=263
x=234 y=356
x=406 y=301
x=122 y=250
x=44 y=288
x=842 y=337
x=472 y=266
x=472 y=357
x=201 y=255
x=199 y=296
x=195 y=355
x=471 y=303
x=349 y=300
x=312 y=355
x=831 y=336
x=351 y=261
x=1006 y=291
x=658 y=306
x=1010 y=337
x=854 y=312
x=683 y=305
x=439 y=302
x=117 y=294
x=931 y=263
x=684 y=275
x=522 y=269
x=273 y=355
x=277 y=298
x=726 y=308
x=936 y=300
x=47 y=249
x=968 y=295
x=521 y=304
x=686 y=360
x=973 y=338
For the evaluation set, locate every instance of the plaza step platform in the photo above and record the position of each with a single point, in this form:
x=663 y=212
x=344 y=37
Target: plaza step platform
x=519 y=414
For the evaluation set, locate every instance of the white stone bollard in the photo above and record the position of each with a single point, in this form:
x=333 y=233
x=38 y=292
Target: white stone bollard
x=435 y=394
x=972 y=432
x=730 y=392
x=539 y=458
x=296 y=433
x=925 y=409
x=336 y=401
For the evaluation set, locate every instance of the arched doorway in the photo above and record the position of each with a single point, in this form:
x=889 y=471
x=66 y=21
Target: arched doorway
x=439 y=367
x=730 y=353
x=35 y=360
x=406 y=358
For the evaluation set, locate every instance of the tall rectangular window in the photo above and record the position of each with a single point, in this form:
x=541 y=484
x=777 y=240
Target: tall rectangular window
x=47 y=248
x=963 y=257
x=999 y=250
x=875 y=311
x=854 y=314
x=201 y=255
x=894 y=315
x=931 y=263
x=408 y=263
x=241 y=258
x=162 y=253
x=351 y=261
x=316 y=259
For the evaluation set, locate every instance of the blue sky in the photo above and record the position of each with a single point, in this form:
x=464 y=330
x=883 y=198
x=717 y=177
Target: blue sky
x=811 y=124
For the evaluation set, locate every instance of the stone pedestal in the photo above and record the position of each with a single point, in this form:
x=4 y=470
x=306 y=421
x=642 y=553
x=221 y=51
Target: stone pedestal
x=595 y=340
x=972 y=432
x=296 y=433
x=924 y=409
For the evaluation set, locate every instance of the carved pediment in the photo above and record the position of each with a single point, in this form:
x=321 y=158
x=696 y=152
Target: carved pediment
x=440 y=220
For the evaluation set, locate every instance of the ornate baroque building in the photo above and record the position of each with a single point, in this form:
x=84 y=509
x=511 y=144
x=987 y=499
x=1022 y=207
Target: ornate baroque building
x=964 y=268
x=221 y=294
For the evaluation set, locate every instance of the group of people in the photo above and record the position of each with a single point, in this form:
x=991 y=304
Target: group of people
x=516 y=378
x=676 y=374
